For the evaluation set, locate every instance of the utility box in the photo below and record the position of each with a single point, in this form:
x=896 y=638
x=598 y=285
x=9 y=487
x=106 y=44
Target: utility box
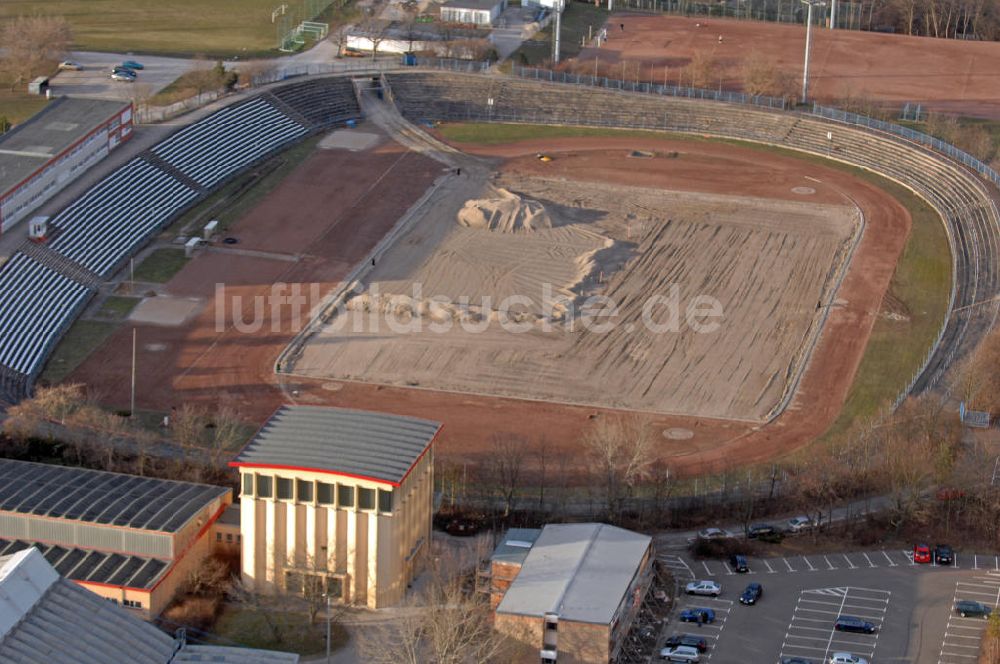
x=38 y=229
x=190 y=246
x=210 y=229
x=409 y=59
x=39 y=86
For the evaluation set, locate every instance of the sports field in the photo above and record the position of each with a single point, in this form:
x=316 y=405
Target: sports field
x=211 y=28
x=943 y=74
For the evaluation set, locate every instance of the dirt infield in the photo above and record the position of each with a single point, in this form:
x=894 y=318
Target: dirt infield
x=943 y=74
x=196 y=363
x=546 y=244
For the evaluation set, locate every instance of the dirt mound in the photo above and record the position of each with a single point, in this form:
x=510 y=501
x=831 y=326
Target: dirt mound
x=506 y=213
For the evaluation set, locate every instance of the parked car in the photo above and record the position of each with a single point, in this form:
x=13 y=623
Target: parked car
x=846 y=658
x=852 y=624
x=689 y=640
x=69 y=65
x=967 y=607
x=692 y=615
x=752 y=594
x=799 y=523
x=921 y=553
x=714 y=533
x=758 y=529
x=122 y=76
x=703 y=588
x=943 y=554
x=796 y=660
x=680 y=654
x=132 y=64
x=119 y=68
x=739 y=563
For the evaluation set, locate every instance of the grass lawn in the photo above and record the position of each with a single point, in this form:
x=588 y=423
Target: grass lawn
x=920 y=286
x=161 y=265
x=19 y=106
x=250 y=629
x=81 y=340
x=578 y=21
x=182 y=27
x=117 y=307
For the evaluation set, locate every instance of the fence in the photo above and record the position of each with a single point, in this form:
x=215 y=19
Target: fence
x=849 y=14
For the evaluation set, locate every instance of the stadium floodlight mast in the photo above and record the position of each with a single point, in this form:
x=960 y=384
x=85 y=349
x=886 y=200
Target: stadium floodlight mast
x=809 y=24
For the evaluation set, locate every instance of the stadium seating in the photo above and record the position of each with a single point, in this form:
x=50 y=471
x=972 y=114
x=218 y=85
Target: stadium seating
x=230 y=139
x=37 y=304
x=103 y=227
x=324 y=102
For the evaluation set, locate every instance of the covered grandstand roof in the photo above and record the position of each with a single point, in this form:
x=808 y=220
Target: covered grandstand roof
x=90 y=566
x=63 y=122
x=340 y=441
x=579 y=571
x=94 y=496
x=45 y=619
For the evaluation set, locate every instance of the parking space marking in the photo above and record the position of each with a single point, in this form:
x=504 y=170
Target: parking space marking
x=788 y=564
x=728 y=569
x=770 y=570
x=891 y=564
x=811 y=568
x=870 y=563
x=962 y=636
x=848 y=560
x=954 y=560
x=709 y=631
x=909 y=556
x=811 y=632
x=707 y=571
x=677 y=565
x=828 y=563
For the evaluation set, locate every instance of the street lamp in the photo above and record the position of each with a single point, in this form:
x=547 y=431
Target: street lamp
x=809 y=23
x=328 y=617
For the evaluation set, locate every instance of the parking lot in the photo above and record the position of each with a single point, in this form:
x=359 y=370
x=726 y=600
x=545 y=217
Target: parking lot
x=911 y=605
x=95 y=78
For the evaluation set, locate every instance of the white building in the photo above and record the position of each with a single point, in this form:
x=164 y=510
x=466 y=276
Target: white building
x=472 y=12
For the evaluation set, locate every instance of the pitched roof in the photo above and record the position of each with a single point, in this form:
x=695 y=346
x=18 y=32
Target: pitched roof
x=340 y=441
x=95 y=496
x=86 y=565
x=45 y=619
x=578 y=571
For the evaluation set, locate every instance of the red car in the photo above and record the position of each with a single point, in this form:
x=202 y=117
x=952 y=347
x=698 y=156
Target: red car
x=921 y=553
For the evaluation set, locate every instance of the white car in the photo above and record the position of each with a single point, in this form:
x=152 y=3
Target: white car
x=680 y=654
x=799 y=523
x=703 y=588
x=846 y=658
x=714 y=533
x=69 y=65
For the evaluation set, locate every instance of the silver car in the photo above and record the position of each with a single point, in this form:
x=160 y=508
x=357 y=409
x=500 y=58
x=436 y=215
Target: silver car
x=704 y=588
x=680 y=654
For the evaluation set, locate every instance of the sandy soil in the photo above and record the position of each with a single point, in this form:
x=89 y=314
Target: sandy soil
x=556 y=242
x=944 y=74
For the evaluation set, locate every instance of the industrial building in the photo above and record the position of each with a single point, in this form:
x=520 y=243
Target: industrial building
x=571 y=590
x=39 y=157
x=343 y=495
x=46 y=619
x=482 y=13
x=129 y=539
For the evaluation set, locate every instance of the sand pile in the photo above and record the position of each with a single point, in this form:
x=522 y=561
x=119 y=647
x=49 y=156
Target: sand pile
x=505 y=213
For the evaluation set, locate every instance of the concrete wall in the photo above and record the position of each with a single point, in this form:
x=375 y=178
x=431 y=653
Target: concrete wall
x=374 y=553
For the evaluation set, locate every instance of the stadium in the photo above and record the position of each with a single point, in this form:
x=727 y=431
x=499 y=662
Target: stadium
x=383 y=205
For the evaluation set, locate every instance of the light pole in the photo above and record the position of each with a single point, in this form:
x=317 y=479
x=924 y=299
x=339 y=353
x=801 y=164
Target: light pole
x=327 y=596
x=809 y=23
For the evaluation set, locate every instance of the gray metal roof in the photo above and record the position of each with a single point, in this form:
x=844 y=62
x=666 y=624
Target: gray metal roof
x=515 y=545
x=337 y=440
x=61 y=123
x=95 y=566
x=230 y=517
x=94 y=496
x=579 y=571
x=472 y=4
x=45 y=619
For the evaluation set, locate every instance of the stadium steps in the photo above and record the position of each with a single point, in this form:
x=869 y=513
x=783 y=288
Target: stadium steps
x=155 y=160
x=56 y=261
x=288 y=110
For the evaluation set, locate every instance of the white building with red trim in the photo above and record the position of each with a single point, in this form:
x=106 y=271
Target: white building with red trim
x=39 y=157
x=338 y=497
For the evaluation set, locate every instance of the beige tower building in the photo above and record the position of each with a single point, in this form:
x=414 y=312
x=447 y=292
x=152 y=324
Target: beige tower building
x=340 y=497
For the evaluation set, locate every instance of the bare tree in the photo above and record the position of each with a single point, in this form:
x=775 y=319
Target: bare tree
x=33 y=45
x=376 y=30
x=702 y=70
x=338 y=37
x=502 y=472
x=620 y=453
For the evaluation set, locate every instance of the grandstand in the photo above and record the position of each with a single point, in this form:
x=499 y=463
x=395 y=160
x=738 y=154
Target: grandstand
x=323 y=102
x=957 y=193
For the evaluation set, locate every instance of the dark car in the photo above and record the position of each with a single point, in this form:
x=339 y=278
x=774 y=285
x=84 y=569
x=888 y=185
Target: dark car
x=758 y=529
x=852 y=624
x=752 y=594
x=796 y=660
x=687 y=640
x=739 y=563
x=943 y=555
x=966 y=608
x=692 y=615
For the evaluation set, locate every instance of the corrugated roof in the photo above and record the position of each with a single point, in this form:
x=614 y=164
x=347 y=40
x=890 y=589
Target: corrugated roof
x=357 y=443
x=515 y=545
x=61 y=123
x=45 y=619
x=92 y=566
x=231 y=516
x=95 y=496
x=579 y=571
